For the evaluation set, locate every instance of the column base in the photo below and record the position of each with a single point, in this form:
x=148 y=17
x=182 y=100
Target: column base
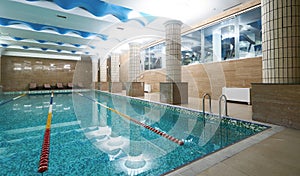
x=103 y=86
x=115 y=87
x=276 y=103
x=135 y=89
x=174 y=93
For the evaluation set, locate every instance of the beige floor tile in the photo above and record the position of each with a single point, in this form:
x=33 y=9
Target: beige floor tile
x=222 y=169
x=255 y=164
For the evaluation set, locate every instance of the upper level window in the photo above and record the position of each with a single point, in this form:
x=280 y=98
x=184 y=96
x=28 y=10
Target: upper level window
x=250 y=34
x=153 y=57
x=233 y=38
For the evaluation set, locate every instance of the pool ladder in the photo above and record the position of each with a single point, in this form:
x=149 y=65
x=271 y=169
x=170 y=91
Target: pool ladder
x=220 y=109
x=225 y=103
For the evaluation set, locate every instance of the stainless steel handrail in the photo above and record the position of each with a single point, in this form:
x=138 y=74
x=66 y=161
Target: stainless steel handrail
x=225 y=101
x=203 y=104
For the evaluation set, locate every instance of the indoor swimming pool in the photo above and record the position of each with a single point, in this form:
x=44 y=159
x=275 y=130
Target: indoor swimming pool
x=98 y=133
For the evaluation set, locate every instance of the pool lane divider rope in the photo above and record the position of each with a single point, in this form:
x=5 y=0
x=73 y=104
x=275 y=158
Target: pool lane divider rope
x=12 y=99
x=165 y=135
x=44 y=158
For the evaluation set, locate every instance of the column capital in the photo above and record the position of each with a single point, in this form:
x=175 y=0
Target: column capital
x=115 y=54
x=172 y=22
x=95 y=58
x=134 y=44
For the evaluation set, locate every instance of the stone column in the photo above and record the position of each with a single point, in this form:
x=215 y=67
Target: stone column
x=103 y=75
x=173 y=91
x=115 y=67
x=276 y=99
x=173 y=50
x=134 y=62
x=133 y=87
x=280 y=41
x=95 y=71
x=115 y=85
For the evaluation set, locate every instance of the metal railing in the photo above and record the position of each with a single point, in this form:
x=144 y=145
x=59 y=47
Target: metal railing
x=203 y=104
x=220 y=109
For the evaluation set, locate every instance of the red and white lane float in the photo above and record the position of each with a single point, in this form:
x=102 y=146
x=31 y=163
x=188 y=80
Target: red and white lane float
x=165 y=135
x=44 y=158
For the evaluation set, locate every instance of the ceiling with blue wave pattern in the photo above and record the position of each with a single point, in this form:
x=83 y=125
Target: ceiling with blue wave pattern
x=80 y=27
x=95 y=7
x=15 y=27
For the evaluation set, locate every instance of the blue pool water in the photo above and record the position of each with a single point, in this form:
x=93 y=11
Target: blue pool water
x=89 y=139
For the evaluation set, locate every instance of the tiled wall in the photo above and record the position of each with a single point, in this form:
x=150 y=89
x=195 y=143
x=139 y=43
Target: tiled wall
x=18 y=72
x=153 y=77
x=280 y=41
x=83 y=72
x=211 y=77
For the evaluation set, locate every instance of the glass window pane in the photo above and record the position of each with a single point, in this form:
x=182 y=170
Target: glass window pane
x=191 y=48
x=154 y=57
x=228 y=37
x=250 y=33
x=208 y=44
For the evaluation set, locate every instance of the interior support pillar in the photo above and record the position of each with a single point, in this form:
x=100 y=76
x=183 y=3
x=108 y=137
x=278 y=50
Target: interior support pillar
x=276 y=99
x=173 y=91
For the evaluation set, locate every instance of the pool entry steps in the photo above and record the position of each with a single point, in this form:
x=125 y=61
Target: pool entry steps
x=44 y=158
x=220 y=109
x=165 y=135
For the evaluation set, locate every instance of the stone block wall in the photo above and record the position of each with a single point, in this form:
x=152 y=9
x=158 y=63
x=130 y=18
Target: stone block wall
x=174 y=93
x=276 y=103
x=18 y=72
x=211 y=77
x=135 y=89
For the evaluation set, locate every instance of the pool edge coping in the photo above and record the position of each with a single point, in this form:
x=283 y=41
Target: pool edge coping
x=187 y=108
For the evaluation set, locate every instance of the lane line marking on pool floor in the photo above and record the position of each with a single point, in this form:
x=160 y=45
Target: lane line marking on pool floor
x=44 y=158
x=165 y=135
x=12 y=99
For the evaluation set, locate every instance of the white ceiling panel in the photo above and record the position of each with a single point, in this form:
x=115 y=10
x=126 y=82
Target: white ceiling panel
x=93 y=27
